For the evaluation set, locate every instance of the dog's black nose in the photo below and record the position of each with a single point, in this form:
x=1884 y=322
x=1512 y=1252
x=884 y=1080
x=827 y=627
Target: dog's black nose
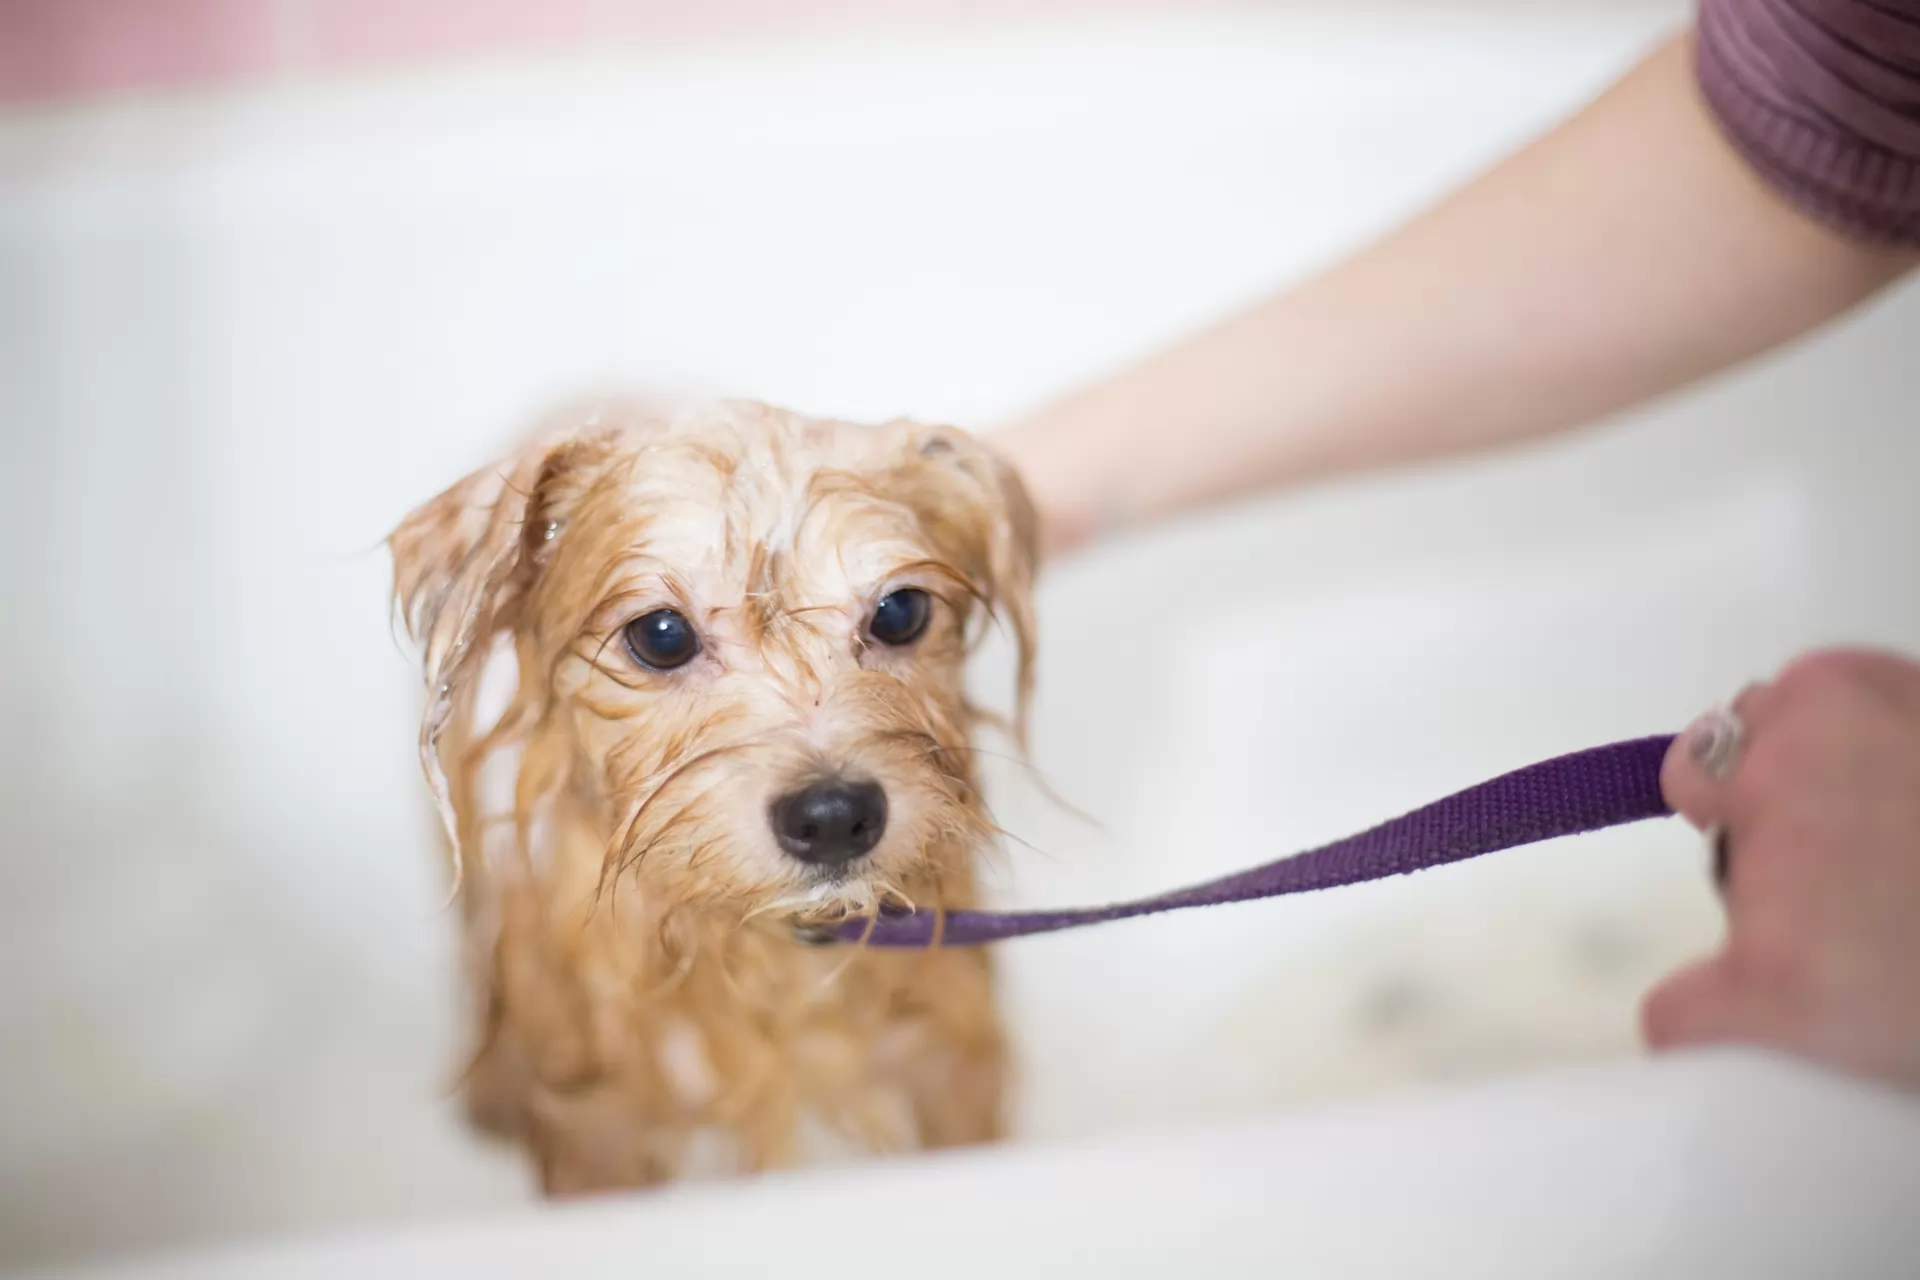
x=830 y=822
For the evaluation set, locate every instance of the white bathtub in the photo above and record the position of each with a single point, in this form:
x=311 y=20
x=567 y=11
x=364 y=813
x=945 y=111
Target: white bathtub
x=1720 y=1164
x=242 y=334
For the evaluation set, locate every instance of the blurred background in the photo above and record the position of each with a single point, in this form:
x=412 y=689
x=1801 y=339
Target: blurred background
x=271 y=273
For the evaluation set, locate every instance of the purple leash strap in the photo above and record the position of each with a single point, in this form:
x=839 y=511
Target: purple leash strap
x=1585 y=791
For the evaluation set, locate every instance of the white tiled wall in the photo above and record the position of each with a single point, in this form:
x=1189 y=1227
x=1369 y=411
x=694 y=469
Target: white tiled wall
x=240 y=335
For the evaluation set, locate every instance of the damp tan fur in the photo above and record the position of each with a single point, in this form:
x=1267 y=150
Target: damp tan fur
x=643 y=1006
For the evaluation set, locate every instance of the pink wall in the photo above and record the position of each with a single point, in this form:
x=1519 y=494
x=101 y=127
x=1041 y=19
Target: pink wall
x=54 y=50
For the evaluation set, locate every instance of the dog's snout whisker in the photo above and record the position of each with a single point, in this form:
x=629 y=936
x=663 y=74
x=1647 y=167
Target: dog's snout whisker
x=620 y=857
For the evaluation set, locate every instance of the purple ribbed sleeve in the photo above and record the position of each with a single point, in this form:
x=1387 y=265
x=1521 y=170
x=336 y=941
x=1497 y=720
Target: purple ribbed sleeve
x=1822 y=97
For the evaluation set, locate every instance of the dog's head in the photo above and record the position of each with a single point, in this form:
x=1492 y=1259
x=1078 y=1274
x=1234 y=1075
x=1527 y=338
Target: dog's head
x=726 y=651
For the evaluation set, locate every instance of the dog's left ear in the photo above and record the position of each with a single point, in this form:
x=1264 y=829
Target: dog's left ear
x=974 y=508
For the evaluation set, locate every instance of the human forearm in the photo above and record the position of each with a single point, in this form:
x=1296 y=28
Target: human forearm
x=1626 y=253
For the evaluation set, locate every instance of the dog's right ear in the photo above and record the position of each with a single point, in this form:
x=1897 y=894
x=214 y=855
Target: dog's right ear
x=462 y=563
x=454 y=557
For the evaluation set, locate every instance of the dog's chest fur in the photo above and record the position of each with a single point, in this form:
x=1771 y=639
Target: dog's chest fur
x=762 y=1053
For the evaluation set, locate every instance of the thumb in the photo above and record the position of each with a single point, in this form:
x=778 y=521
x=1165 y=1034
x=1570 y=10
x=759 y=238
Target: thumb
x=1700 y=1004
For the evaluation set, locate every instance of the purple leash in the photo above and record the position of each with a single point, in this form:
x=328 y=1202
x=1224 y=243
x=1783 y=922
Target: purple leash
x=1602 y=787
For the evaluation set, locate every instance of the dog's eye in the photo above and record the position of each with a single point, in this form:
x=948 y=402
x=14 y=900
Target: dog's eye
x=663 y=640
x=900 y=616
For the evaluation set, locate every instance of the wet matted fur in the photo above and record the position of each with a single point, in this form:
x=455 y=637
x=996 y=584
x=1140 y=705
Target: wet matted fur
x=644 y=1007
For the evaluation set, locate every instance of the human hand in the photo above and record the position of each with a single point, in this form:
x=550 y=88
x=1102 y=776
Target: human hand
x=1819 y=809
